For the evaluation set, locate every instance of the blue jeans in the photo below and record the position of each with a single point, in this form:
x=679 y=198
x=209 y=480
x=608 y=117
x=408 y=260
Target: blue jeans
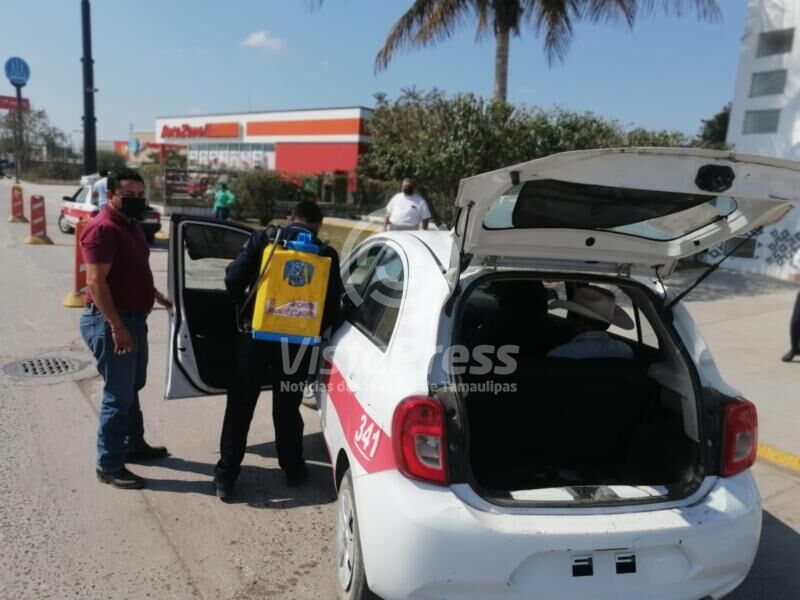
x=121 y=424
x=221 y=213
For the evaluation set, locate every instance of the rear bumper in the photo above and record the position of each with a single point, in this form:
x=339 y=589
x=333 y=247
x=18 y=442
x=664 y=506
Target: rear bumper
x=423 y=542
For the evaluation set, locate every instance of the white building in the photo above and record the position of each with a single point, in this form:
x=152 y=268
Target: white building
x=765 y=119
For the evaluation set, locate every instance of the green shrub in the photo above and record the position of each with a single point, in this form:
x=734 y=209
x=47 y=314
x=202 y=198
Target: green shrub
x=257 y=192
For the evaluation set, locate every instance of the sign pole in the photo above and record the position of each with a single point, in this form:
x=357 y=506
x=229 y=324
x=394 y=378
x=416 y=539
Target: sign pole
x=18 y=72
x=19 y=134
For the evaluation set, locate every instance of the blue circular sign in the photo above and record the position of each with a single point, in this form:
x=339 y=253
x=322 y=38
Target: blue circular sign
x=17 y=71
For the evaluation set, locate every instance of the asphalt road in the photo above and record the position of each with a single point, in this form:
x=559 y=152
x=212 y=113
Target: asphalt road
x=63 y=535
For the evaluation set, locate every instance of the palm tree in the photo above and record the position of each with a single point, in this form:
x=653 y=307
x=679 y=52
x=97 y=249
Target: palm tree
x=431 y=21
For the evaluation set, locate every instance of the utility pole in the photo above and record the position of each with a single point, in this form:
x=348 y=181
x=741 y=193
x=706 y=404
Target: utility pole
x=89 y=130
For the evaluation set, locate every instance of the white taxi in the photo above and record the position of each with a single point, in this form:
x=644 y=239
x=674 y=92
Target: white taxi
x=469 y=460
x=84 y=205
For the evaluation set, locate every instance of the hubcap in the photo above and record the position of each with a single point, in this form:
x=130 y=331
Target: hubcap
x=345 y=543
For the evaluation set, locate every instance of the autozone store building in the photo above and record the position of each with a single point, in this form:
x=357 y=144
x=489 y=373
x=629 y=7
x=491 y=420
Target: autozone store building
x=296 y=141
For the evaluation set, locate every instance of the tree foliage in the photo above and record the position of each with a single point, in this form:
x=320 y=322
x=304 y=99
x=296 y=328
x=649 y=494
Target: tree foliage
x=257 y=192
x=38 y=133
x=714 y=131
x=439 y=139
x=427 y=22
x=109 y=161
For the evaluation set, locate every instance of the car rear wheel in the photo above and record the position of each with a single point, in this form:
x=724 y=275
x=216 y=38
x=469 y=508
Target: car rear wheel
x=150 y=236
x=64 y=226
x=352 y=577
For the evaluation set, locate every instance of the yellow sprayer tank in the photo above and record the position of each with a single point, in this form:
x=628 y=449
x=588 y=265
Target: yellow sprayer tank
x=291 y=296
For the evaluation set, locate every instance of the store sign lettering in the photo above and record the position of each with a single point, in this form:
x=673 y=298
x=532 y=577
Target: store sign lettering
x=183 y=131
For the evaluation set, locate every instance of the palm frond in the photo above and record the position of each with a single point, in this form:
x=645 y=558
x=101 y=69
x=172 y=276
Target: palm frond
x=554 y=18
x=425 y=23
x=707 y=10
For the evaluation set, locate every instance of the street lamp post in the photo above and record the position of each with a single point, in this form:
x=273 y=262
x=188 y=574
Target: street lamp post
x=89 y=131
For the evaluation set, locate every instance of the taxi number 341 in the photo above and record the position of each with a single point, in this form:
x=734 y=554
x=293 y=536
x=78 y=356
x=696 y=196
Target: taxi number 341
x=367 y=437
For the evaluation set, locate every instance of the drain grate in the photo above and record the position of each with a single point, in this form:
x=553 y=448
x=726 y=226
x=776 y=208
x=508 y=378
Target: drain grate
x=48 y=366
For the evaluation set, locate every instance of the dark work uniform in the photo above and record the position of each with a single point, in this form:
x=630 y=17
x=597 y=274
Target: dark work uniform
x=254 y=357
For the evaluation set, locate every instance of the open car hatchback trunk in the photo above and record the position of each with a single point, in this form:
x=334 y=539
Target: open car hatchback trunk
x=542 y=429
x=626 y=209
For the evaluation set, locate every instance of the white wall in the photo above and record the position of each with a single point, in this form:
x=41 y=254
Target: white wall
x=779 y=244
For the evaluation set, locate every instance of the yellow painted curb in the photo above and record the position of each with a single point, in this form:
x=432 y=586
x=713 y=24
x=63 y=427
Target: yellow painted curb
x=779 y=457
x=161 y=235
x=19 y=219
x=38 y=240
x=74 y=300
x=373 y=227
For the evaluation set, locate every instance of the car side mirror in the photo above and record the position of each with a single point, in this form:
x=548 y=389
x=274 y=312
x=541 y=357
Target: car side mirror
x=66 y=198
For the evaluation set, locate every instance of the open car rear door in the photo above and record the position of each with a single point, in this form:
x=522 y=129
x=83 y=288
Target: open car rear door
x=628 y=209
x=203 y=326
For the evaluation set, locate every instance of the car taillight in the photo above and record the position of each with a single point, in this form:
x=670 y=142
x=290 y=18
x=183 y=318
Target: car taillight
x=418 y=439
x=740 y=437
x=154 y=215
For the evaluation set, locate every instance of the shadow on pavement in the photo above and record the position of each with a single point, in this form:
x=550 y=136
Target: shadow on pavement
x=313 y=449
x=728 y=284
x=776 y=571
x=266 y=488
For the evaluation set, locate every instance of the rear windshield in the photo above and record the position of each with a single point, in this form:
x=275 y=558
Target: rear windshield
x=656 y=215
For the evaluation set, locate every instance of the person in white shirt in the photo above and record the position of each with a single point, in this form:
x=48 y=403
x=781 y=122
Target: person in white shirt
x=406 y=210
x=99 y=190
x=592 y=311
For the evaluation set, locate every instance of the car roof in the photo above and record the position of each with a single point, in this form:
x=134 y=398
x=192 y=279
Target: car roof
x=438 y=241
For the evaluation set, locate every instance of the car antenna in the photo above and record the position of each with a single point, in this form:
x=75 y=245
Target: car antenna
x=757 y=231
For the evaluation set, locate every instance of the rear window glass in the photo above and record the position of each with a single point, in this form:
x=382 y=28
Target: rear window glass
x=552 y=204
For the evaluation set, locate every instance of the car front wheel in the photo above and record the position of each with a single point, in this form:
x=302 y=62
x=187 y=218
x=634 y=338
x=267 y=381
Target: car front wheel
x=63 y=226
x=352 y=577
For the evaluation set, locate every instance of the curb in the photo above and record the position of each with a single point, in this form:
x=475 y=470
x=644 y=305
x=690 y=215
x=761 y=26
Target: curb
x=779 y=458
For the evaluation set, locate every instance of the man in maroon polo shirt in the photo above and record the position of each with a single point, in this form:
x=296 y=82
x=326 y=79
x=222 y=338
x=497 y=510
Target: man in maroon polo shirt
x=120 y=295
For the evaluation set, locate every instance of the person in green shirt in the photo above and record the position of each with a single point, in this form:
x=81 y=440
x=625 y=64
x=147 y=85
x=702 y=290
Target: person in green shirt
x=223 y=200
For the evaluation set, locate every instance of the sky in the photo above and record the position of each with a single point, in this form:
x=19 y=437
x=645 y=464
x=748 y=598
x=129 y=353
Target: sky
x=179 y=57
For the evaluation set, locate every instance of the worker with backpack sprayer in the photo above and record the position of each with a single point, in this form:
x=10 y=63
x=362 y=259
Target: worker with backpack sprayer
x=286 y=286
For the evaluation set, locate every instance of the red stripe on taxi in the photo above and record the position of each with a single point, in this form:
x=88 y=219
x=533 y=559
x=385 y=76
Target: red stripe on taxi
x=370 y=444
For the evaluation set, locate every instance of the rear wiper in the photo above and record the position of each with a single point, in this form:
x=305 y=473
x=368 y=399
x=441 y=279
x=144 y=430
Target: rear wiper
x=756 y=232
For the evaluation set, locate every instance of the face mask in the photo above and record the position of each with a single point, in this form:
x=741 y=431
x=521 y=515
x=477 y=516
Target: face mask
x=133 y=206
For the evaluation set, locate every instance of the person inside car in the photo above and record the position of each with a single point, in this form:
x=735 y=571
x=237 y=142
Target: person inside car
x=592 y=311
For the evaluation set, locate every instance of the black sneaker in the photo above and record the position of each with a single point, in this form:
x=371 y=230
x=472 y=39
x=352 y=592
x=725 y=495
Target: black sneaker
x=789 y=356
x=145 y=452
x=296 y=476
x=224 y=490
x=122 y=479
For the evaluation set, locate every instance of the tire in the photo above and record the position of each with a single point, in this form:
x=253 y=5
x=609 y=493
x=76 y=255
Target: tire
x=63 y=226
x=309 y=397
x=150 y=236
x=349 y=561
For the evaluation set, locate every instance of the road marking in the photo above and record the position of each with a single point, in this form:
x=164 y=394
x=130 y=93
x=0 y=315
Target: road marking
x=779 y=457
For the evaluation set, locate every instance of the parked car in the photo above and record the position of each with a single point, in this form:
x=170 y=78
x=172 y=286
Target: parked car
x=197 y=187
x=469 y=463
x=84 y=204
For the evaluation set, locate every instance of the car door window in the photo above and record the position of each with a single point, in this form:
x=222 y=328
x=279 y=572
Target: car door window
x=382 y=294
x=358 y=270
x=207 y=251
x=80 y=195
